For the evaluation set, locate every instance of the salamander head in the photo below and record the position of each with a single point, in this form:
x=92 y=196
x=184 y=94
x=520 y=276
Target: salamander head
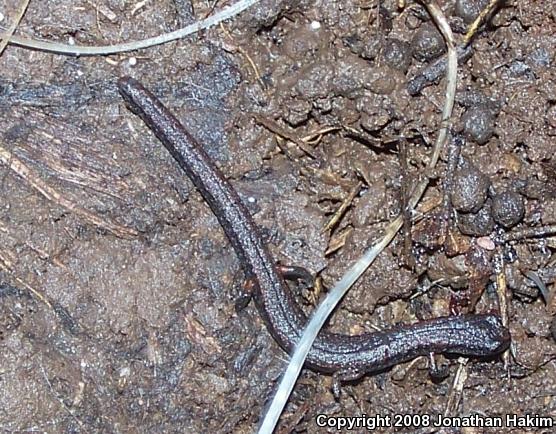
x=492 y=337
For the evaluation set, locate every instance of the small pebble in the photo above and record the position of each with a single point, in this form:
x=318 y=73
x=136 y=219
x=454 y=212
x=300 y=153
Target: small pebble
x=478 y=124
x=315 y=25
x=477 y=224
x=470 y=189
x=486 y=243
x=397 y=54
x=508 y=208
x=427 y=44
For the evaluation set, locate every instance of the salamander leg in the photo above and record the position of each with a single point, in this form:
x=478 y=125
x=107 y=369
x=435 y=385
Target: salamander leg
x=437 y=372
x=295 y=273
x=288 y=272
x=244 y=295
x=344 y=376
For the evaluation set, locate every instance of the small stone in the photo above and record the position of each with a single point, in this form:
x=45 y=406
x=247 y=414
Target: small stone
x=478 y=124
x=427 y=44
x=315 y=25
x=508 y=208
x=477 y=224
x=470 y=189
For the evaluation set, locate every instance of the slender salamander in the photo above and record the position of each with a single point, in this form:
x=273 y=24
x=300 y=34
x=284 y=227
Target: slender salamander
x=478 y=335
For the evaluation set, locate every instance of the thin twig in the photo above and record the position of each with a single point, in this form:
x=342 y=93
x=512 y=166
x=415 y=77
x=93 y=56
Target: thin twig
x=405 y=192
x=501 y=291
x=245 y=54
x=479 y=20
x=6 y=265
x=528 y=233
x=454 y=152
x=283 y=132
x=211 y=10
x=456 y=391
x=338 y=241
x=343 y=207
x=314 y=137
x=11 y=29
x=80 y=50
x=33 y=178
x=451 y=77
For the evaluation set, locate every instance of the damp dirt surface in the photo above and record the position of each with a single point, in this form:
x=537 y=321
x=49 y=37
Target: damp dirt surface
x=120 y=295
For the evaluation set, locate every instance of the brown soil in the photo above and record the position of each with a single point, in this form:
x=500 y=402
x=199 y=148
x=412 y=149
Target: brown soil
x=130 y=325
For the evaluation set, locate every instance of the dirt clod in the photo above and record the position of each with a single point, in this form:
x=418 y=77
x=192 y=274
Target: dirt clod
x=470 y=189
x=427 y=44
x=397 y=54
x=477 y=224
x=478 y=124
x=508 y=208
